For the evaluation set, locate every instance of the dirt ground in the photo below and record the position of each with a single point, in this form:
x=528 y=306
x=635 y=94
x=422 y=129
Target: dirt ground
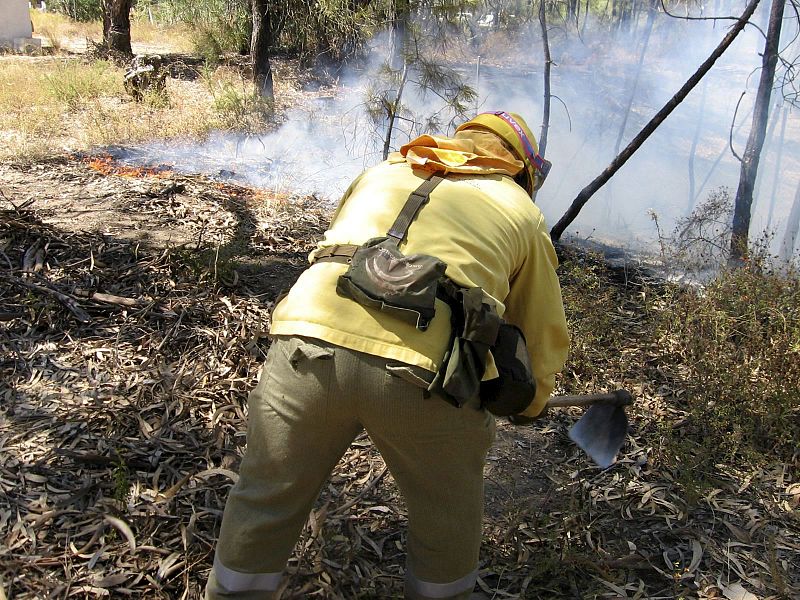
x=246 y=247
x=133 y=312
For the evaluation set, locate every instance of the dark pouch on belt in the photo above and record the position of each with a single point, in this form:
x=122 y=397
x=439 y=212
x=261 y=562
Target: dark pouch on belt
x=475 y=325
x=381 y=277
x=515 y=387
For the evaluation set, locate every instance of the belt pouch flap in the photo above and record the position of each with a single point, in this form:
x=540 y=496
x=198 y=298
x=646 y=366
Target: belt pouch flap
x=381 y=277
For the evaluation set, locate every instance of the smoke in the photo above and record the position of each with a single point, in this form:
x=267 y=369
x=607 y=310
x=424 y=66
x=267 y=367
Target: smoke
x=322 y=146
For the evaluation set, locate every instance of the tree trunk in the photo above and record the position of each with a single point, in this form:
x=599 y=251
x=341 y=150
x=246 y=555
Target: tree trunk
x=792 y=228
x=641 y=137
x=117 y=26
x=769 y=142
x=392 y=107
x=547 y=64
x=777 y=173
x=752 y=154
x=693 y=151
x=260 y=46
x=645 y=41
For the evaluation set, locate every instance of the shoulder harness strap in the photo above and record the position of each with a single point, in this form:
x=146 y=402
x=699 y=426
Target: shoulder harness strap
x=416 y=200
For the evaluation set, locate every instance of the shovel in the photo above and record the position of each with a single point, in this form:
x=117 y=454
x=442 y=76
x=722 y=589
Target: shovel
x=601 y=431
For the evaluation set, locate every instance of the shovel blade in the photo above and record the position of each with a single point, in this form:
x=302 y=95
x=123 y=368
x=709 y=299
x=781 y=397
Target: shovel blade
x=600 y=432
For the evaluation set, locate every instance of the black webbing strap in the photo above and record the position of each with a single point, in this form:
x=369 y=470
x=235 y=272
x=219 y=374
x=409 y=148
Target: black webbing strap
x=416 y=200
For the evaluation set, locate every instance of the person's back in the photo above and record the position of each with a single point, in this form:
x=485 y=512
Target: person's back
x=337 y=366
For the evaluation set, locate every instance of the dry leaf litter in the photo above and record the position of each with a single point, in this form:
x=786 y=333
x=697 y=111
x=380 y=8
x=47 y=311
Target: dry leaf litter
x=128 y=347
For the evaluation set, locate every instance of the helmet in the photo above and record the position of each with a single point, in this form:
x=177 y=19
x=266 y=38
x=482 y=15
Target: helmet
x=513 y=130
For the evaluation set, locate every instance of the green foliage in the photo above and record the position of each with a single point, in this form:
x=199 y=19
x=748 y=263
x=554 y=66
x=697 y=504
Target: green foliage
x=240 y=107
x=219 y=26
x=328 y=30
x=738 y=344
x=421 y=95
x=121 y=477
x=78 y=10
x=73 y=83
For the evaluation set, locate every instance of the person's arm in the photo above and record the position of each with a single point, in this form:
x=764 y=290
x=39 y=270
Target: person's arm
x=534 y=304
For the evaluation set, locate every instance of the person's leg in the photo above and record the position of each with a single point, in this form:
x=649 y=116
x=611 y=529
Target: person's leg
x=299 y=425
x=436 y=453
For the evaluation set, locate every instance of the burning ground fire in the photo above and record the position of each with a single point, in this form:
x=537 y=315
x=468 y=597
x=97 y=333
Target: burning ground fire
x=111 y=165
x=107 y=165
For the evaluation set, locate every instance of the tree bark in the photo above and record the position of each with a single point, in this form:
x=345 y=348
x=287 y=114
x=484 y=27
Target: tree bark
x=641 y=137
x=752 y=153
x=547 y=64
x=117 y=26
x=769 y=142
x=260 y=46
x=392 y=107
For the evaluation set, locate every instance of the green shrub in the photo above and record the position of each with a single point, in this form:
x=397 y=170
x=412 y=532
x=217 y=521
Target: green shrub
x=240 y=107
x=737 y=343
x=79 y=10
x=219 y=26
x=73 y=83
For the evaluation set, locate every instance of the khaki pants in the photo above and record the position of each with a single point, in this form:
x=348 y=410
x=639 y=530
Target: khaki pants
x=312 y=400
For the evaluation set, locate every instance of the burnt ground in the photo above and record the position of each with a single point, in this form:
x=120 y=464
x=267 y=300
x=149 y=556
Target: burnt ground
x=133 y=312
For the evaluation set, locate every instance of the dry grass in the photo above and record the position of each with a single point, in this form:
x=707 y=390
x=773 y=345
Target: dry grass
x=59 y=32
x=69 y=104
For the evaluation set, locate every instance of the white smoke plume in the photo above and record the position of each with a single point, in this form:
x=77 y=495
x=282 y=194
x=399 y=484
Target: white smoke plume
x=321 y=147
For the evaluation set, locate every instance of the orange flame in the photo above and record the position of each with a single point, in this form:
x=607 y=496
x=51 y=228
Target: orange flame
x=106 y=165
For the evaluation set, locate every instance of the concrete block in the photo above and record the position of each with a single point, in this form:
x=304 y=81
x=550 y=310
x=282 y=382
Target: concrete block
x=15 y=20
x=27 y=45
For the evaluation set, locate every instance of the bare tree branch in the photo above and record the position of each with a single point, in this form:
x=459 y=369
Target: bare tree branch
x=646 y=132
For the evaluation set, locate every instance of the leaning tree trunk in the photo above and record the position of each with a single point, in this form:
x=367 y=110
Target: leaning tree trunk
x=646 y=132
x=260 y=46
x=547 y=64
x=752 y=154
x=117 y=26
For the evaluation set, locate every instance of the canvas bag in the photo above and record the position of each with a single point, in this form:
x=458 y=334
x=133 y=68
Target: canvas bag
x=381 y=277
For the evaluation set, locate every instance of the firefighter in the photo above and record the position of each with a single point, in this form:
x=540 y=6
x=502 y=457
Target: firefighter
x=337 y=367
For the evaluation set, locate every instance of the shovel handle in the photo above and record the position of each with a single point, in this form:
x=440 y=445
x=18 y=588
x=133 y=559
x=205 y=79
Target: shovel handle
x=617 y=398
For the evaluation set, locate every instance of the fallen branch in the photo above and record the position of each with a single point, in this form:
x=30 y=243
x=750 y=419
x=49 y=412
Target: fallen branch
x=108 y=298
x=69 y=302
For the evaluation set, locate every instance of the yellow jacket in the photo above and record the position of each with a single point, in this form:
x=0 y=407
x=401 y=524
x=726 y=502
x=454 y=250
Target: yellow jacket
x=490 y=234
